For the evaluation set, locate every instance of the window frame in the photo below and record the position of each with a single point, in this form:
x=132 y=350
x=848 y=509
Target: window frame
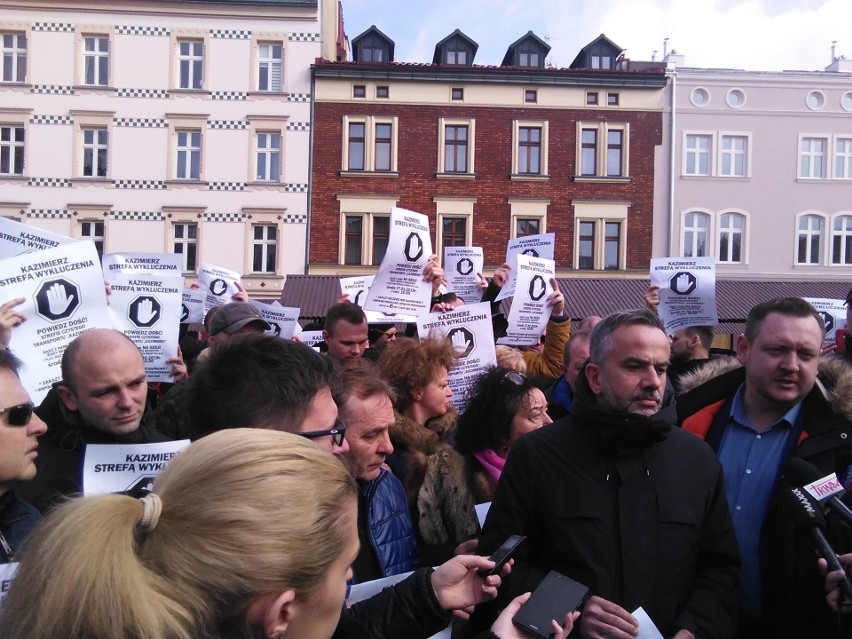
x=457 y=94
x=453 y=208
x=602 y=215
x=370 y=142
x=723 y=154
x=270 y=61
x=15 y=52
x=470 y=123
x=99 y=240
x=271 y=176
x=85 y=55
x=97 y=149
x=843 y=159
x=367 y=244
x=695 y=230
x=190 y=149
x=812 y=155
x=809 y=235
x=601 y=148
x=722 y=232
x=12 y=145
x=190 y=58
x=264 y=243
x=697 y=152
x=527 y=209
x=845 y=235
x=517 y=127
x=186 y=242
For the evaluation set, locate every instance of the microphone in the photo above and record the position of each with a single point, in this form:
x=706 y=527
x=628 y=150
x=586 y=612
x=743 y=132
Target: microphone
x=844 y=471
x=803 y=473
x=806 y=515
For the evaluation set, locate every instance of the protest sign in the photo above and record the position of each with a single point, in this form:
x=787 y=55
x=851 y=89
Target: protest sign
x=311 y=338
x=357 y=288
x=7 y=573
x=399 y=287
x=64 y=295
x=687 y=291
x=833 y=313
x=192 y=308
x=530 y=245
x=130 y=468
x=219 y=283
x=282 y=319
x=147 y=308
x=462 y=265
x=17 y=238
x=469 y=330
x=118 y=264
x=530 y=313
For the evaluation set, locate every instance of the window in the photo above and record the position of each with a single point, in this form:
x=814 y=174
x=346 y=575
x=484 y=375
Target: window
x=527 y=226
x=735 y=98
x=612 y=99
x=457 y=93
x=92 y=230
x=264 y=248
x=612 y=245
x=372 y=53
x=531 y=96
x=696 y=228
x=365 y=238
x=843 y=159
x=815 y=100
x=602 y=150
x=699 y=97
x=808 y=238
x=370 y=144
x=586 y=240
x=269 y=57
x=188 y=165
x=734 y=153
x=601 y=62
x=529 y=55
x=731 y=228
x=382 y=92
x=591 y=98
x=190 y=64
x=812 y=157
x=186 y=245
x=359 y=91
x=529 y=150
x=698 y=154
x=841 y=240
x=95 y=152
x=846 y=101
x=268 y=157
x=456 y=53
x=600 y=235
x=455 y=148
x=14 y=57
x=11 y=150
x=96 y=60
x=453 y=232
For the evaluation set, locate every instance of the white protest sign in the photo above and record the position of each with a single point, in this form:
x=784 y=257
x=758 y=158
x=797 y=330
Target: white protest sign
x=118 y=468
x=357 y=288
x=64 y=295
x=192 y=308
x=7 y=573
x=468 y=327
x=530 y=245
x=219 y=284
x=833 y=313
x=311 y=338
x=399 y=287
x=647 y=629
x=461 y=266
x=147 y=309
x=282 y=319
x=117 y=264
x=17 y=238
x=530 y=313
x=687 y=291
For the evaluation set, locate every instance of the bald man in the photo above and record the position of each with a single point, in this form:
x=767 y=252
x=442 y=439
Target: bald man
x=103 y=398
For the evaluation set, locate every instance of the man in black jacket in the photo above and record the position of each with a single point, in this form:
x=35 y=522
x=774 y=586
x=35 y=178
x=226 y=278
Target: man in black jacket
x=622 y=501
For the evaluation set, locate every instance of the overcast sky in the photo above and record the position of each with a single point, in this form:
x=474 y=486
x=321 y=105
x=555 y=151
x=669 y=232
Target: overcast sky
x=758 y=35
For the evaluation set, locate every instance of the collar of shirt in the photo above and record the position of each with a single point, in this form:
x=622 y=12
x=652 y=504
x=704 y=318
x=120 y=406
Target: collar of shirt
x=738 y=413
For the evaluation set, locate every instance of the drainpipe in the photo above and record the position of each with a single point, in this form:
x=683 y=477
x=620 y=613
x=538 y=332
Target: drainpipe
x=310 y=173
x=672 y=144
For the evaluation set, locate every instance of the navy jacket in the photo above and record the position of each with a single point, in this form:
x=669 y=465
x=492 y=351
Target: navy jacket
x=17 y=520
x=389 y=527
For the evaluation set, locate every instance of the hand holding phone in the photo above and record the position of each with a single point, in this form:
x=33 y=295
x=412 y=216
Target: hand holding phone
x=502 y=555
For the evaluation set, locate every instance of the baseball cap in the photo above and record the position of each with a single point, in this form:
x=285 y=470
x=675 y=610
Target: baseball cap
x=231 y=317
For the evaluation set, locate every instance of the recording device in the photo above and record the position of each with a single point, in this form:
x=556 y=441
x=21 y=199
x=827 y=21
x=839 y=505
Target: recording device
x=807 y=515
x=802 y=473
x=554 y=598
x=844 y=471
x=502 y=555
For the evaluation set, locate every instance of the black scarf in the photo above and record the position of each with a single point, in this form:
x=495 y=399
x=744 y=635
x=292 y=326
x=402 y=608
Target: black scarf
x=617 y=433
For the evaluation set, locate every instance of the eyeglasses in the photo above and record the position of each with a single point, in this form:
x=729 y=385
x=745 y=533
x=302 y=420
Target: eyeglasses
x=19 y=415
x=335 y=433
x=518 y=379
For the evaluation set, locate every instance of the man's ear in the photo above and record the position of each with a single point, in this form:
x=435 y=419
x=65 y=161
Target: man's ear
x=325 y=335
x=67 y=396
x=742 y=349
x=273 y=612
x=593 y=376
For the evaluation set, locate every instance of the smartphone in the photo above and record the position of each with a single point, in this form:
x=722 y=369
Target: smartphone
x=554 y=598
x=503 y=554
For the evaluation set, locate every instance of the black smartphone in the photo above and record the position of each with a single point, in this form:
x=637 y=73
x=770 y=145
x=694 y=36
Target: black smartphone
x=554 y=598
x=503 y=554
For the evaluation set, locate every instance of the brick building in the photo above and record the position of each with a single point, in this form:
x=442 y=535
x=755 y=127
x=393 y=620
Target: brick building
x=489 y=153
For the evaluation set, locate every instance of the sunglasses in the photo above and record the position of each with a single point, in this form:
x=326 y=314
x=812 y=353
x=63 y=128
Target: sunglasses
x=335 y=433
x=19 y=415
x=515 y=378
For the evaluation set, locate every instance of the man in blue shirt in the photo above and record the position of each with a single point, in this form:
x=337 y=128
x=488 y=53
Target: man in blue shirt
x=756 y=417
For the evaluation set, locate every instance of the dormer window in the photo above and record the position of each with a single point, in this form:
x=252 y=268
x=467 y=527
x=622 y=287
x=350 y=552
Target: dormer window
x=527 y=52
x=455 y=50
x=455 y=53
x=372 y=46
x=372 y=53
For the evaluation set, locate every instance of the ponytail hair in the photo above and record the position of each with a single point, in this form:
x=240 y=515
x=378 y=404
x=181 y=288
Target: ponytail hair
x=244 y=512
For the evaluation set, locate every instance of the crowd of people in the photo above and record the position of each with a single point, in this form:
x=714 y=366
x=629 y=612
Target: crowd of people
x=642 y=465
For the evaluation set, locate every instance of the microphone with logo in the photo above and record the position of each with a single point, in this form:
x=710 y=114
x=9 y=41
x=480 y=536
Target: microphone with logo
x=807 y=515
x=827 y=490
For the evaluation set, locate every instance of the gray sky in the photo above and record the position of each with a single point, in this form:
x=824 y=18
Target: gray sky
x=758 y=35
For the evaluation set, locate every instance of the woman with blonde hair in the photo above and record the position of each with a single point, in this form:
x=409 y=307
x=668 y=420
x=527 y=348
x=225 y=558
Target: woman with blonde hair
x=247 y=534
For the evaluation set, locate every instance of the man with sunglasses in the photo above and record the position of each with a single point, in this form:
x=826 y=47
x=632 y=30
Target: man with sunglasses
x=20 y=428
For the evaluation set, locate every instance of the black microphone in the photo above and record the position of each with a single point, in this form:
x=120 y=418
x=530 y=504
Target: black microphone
x=806 y=515
x=844 y=471
x=801 y=472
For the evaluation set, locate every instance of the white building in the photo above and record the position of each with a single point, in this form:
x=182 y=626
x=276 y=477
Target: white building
x=758 y=173
x=159 y=126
